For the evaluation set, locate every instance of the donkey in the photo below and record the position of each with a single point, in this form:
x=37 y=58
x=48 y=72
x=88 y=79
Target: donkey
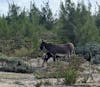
x=67 y=49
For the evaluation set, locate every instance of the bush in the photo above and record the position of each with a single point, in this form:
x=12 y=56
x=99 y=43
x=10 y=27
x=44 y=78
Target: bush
x=38 y=84
x=22 y=52
x=14 y=64
x=96 y=59
x=61 y=69
x=53 y=70
x=93 y=48
x=58 y=69
x=75 y=62
x=23 y=68
x=70 y=76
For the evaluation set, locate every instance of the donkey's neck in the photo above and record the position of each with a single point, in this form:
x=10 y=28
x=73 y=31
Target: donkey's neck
x=48 y=46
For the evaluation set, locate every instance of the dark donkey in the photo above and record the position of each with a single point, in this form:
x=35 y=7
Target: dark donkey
x=67 y=49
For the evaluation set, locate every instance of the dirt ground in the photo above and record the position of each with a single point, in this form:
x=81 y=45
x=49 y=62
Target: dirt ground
x=8 y=79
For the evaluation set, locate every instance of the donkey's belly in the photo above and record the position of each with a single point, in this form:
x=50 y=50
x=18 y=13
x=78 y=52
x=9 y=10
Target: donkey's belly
x=59 y=50
x=61 y=55
x=62 y=52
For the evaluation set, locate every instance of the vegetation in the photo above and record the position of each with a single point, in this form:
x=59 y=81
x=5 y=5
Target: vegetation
x=21 y=29
x=14 y=64
x=21 y=33
x=60 y=69
x=47 y=83
x=70 y=76
x=38 y=84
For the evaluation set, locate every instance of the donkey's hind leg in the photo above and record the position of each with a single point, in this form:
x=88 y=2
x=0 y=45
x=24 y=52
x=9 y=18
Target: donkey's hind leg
x=54 y=58
x=68 y=55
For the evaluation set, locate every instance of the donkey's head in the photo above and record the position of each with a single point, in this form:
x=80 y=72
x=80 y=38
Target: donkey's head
x=42 y=45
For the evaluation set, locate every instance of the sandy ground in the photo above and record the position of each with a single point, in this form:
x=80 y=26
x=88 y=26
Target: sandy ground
x=8 y=79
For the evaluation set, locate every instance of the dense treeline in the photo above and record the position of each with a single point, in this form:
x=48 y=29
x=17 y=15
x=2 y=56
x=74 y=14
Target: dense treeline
x=74 y=23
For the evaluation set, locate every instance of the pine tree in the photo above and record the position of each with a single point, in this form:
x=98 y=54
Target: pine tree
x=46 y=17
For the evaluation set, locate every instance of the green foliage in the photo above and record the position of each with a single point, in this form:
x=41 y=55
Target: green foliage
x=70 y=76
x=14 y=64
x=94 y=48
x=46 y=17
x=60 y=69
x=97 y=19
x=47 y=83
x=75 y=23
x=22 y=52
x=75 y=62
x=38 y=84
x=88 y=33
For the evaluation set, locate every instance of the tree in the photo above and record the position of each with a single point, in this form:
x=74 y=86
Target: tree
x=4 y=29
x=76 y=23
x=46 y=17
x=67 y=14
x=97 y=19
x=13 y=19
x=34 y=14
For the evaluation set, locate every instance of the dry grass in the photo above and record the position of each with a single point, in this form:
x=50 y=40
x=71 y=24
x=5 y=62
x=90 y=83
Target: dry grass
x=6 y=75
x=57 y=69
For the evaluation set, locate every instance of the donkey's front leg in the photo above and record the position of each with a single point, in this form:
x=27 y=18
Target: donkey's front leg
x=69 y=55
x=45 y=59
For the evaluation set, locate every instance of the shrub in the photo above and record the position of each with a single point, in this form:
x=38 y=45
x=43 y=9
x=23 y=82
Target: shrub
x=94 y=48
x=14 y=64
x=70 y=76
x=46 y=83
x=96 y=59
x=38 y=84
x=57 y=69
x=75 y=62
x=22 y=52
x=17 y=69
